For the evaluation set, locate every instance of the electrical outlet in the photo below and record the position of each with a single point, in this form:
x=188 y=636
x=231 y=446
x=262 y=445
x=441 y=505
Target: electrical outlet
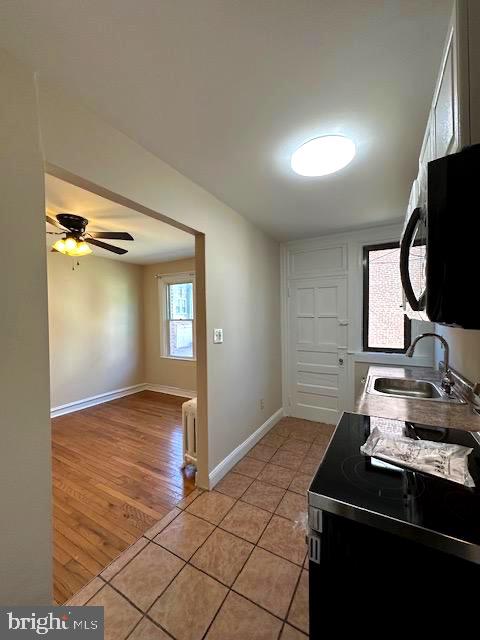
x=262 y=404
x=217 y=336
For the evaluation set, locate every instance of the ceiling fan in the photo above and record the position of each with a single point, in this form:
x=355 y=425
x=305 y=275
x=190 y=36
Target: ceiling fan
x=76 y=239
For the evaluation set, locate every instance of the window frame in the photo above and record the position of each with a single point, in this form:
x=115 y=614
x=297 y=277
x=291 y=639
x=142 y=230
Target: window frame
x=164 y=303
x=407 y=323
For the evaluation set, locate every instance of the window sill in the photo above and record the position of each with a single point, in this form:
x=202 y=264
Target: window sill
x=178 y=358
x=381 y=357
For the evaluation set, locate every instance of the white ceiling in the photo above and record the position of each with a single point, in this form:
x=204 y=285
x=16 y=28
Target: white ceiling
x=154 y=241
x=225 y=90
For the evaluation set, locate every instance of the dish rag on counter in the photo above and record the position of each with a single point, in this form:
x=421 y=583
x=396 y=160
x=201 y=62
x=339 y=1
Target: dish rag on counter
x=448 y=461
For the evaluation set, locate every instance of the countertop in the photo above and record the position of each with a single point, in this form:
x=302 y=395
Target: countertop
x=441 y=414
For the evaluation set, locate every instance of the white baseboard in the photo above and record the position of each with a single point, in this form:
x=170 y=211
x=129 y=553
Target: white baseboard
x=70 y=407
x=237 y=454
x=78 y=405
x=172 y=391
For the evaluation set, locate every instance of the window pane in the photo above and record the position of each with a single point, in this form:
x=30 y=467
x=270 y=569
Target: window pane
x=180 y=301
x=386 y=324
x=181 y=338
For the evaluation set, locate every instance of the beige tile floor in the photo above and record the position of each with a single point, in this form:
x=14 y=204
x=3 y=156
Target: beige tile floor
x=229 y=564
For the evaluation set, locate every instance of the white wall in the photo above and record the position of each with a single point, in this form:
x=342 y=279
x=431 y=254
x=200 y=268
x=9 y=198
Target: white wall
x=464 y=350
x=25 y=477
x=242 y=275
x=161 y=370
x=347 y=261
x=96 y=327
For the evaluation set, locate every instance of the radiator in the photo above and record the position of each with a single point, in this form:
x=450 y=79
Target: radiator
x=189 y=419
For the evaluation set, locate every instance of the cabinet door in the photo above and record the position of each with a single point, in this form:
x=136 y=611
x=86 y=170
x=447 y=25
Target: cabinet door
x=445 y=104
x=426 y=154
x=413 y=200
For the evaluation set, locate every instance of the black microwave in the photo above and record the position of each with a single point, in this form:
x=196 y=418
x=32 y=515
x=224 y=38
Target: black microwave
x=440 y=245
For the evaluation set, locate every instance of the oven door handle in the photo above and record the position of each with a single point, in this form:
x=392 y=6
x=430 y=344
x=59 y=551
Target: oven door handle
x=416 y=305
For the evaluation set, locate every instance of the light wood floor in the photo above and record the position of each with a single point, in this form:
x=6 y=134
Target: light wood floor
x=116 y=471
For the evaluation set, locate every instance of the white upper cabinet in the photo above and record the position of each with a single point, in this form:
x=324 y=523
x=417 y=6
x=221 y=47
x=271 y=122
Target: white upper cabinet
x=414 y=196
x=427 y=151
x=445 y=105
x=426 y=154
x=452 y=113
x=449 y=119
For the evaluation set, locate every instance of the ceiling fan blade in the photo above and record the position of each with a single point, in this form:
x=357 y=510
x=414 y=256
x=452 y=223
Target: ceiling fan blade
x=104 y=245
x=111 y=235
x=54 y=222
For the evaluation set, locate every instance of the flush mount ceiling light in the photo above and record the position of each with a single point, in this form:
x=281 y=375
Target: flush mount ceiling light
x=324 y=155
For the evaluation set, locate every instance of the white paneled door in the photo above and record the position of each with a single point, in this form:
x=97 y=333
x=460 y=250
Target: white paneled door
x=317 y=348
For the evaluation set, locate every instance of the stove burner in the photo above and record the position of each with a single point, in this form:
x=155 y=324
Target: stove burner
x=381 y=479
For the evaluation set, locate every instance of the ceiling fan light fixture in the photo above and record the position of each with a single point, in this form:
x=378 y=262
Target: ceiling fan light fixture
x=81 y=249
x=70 y=244
x=74 y=244
x=59 y=246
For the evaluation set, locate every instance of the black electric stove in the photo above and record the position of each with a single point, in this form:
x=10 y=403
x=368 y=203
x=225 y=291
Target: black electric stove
x=438 y=512
x=384 y=529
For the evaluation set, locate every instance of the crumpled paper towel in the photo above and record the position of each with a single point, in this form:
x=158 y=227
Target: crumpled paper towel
x=449 y=461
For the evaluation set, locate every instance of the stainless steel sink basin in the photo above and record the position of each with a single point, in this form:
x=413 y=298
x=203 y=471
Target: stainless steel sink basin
x=408 y=388
x=404 y=387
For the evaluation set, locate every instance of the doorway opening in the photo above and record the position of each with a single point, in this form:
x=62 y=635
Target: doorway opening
x=127 y=350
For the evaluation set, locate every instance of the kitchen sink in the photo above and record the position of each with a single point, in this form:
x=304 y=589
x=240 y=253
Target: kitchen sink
x=404 y=387
x=408 y=388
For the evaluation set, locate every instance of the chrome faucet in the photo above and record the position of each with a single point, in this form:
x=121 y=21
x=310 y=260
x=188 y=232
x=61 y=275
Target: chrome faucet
x=447 y=379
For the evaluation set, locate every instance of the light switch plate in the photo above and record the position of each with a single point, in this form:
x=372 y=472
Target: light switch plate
x=217 y=336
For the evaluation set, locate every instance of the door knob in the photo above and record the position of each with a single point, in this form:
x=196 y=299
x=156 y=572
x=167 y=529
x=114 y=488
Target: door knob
x=340 y=361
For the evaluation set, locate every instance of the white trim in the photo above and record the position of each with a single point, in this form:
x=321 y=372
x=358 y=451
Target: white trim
x=177 y=274
x=393 y=359
x=284 y=327
x=237 y=454
x=78 y=405
x=164 y=280
x=172 y=391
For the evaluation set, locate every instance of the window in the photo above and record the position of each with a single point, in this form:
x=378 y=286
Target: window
x=385 y=326
x=177 y=301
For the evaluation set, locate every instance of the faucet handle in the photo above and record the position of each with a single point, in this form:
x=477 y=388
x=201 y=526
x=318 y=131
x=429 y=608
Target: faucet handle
x=475 y=397
x=447 y=382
